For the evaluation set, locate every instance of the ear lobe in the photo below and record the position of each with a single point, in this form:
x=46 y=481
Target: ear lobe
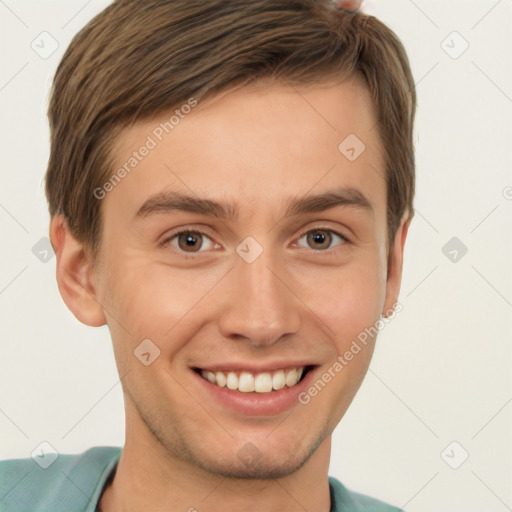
x=74 y=274
x=395 y=265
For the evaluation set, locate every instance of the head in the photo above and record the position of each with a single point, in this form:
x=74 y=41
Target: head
x=286 y=121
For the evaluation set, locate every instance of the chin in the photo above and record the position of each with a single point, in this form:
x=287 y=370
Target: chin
x=272 y=460
x=255 y=470
x=260 y=456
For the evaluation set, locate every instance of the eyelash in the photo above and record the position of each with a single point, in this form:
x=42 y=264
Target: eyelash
x=186 y=255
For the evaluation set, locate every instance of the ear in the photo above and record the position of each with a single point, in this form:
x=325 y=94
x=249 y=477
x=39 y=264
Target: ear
x=395 y=266
x=74 y=274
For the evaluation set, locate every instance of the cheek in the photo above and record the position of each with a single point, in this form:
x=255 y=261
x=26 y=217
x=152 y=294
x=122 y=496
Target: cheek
x=349 y=299
x=349 y=304
x=147 y=299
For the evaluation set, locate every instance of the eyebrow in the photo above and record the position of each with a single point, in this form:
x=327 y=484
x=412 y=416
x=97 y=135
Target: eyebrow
x=166 y=202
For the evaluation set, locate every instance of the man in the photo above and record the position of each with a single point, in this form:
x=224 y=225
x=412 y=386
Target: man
x=230 y=188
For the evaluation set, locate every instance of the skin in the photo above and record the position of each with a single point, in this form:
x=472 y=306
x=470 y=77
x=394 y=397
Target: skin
x=256 y=147
x=352 y=5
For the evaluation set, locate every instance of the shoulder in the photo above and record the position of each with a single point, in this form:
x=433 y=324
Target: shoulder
x=70 y=482
x=348 y=501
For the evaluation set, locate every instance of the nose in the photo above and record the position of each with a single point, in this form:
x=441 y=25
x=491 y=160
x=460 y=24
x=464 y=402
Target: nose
x=260 y=304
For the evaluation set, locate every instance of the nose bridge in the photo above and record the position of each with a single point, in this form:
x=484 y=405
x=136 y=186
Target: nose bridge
x=260 y=307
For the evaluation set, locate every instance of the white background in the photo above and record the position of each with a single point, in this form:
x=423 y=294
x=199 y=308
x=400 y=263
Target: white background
x=441 y=371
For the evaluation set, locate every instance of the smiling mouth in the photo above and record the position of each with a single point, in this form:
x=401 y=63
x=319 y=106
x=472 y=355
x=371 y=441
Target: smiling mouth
x=260 y=382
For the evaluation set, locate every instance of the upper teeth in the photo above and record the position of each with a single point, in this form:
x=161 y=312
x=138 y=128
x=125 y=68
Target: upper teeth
x=259 y=382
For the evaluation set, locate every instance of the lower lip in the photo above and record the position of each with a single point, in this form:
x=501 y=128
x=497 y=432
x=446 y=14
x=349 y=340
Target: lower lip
x=256 y=404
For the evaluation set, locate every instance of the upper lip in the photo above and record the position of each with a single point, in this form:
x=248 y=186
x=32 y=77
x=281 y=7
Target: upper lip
x=255 y=367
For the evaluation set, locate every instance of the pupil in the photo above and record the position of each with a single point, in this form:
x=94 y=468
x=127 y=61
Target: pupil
x=190 y=241
x=319 y=237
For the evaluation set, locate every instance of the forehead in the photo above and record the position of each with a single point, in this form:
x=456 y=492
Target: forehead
x=254 y=143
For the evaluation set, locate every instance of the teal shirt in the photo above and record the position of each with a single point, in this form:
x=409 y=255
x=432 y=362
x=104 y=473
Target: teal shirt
x=74 y=483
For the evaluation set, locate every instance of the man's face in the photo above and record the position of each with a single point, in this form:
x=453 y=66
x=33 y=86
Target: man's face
x=287 y=297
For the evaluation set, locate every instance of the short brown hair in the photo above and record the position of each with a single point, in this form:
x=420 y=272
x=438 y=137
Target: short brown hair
x=135 y=60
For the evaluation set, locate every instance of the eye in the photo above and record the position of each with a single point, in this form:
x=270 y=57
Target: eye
x=189 y=241
x=321 y=239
